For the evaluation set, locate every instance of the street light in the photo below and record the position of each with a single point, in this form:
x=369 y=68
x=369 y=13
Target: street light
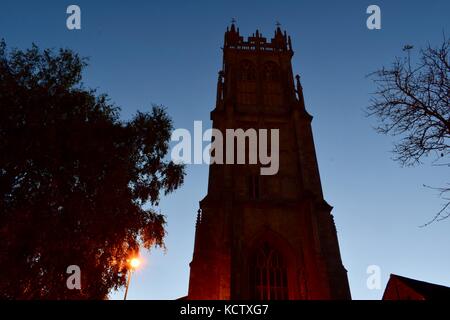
x=134 y=264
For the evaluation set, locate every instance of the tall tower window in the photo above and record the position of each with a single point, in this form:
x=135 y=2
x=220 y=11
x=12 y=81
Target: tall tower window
x=247 y=71
x=271 y=72
x=272 y=85
x=247 y=83
x=268 y=274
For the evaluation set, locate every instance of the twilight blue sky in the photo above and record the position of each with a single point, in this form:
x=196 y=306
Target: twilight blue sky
x=168 y=52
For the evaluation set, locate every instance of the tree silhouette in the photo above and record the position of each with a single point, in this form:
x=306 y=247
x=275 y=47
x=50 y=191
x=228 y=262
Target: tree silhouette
x=74 y=179
x=413 y=102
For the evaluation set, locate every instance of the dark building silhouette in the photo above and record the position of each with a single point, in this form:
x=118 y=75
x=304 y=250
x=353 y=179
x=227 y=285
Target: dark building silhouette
x=265 y=237
x=402 y=288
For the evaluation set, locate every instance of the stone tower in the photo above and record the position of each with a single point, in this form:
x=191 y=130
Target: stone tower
x=265 y=237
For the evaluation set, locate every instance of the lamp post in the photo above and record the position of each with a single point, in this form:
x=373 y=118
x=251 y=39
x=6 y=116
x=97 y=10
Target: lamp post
x=134 y=263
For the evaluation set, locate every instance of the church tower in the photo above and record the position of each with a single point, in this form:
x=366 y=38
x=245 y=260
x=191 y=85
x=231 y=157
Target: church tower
x=265 y=237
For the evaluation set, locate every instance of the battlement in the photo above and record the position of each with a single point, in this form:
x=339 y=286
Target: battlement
x=280 y=42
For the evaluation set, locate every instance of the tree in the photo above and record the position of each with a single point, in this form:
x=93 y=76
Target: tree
x=78 y=186
x=413 y=102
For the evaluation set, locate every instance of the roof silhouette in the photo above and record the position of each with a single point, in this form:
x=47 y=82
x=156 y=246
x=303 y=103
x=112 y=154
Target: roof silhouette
x=429 y=291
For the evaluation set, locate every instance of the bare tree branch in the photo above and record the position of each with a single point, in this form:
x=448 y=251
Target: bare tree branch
x=412 y=102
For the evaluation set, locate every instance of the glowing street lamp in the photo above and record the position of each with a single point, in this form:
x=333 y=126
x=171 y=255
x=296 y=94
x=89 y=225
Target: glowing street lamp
x=134 y=264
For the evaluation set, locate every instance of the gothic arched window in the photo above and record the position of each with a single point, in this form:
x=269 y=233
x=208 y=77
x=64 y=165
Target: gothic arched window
x=247 y=83
x=268 y=274
x=271 y=72
x=247 y=71
x=272 y=92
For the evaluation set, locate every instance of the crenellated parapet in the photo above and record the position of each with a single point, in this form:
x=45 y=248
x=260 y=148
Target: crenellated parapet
x=281 y=42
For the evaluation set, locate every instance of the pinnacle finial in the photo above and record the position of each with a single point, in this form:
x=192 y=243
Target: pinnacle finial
x=233 y=24
x=278 y=30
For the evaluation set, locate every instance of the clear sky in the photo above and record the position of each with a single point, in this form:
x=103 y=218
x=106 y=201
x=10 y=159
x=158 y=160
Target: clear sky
x=168 y=52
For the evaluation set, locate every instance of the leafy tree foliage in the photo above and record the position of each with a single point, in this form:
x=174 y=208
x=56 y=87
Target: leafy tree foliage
x=78 y=186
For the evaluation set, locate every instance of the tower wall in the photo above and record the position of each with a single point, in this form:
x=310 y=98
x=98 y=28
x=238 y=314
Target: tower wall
x=254 y=229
